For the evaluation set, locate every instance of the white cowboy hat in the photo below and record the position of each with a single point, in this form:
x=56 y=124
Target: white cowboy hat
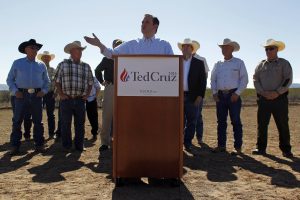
x=270 y=42
x=45 y=53
x=234 y=44
x=194 y=44
x=75 y=44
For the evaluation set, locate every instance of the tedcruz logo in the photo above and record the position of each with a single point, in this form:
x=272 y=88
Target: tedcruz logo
x=124 y=76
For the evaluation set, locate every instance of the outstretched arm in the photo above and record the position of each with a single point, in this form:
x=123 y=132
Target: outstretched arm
x=95 y=42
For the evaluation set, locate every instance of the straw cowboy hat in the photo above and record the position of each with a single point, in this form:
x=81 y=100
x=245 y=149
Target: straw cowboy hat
x=270 y=42
x=30 y=42
x=194 y=44
x=75 y=44
x=117 y=42
x=234 y=44
x=45 y=53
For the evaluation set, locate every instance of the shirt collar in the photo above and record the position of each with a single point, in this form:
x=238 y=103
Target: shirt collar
x=188 y=60
x=231 y=59
x=26 y=58
x=149 y=39
x=270 y=61
x=73 y=60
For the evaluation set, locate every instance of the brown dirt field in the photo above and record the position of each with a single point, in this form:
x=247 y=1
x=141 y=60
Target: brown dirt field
x=55 y=175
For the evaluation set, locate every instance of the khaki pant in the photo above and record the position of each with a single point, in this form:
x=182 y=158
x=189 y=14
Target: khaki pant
x=107 y=114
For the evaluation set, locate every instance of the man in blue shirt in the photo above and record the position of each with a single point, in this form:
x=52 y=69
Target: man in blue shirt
x=146 y=45
x=28 y=80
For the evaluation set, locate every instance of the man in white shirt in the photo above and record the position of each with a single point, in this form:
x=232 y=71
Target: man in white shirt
x=146 y=45
x=228 y=79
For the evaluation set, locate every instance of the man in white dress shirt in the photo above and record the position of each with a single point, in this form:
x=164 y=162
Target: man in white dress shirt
x=228 y=79
x=146 y=45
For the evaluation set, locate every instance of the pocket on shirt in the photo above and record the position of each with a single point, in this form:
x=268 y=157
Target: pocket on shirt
x=235 y=74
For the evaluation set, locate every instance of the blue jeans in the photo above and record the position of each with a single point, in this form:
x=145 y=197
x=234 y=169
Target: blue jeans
x=190 y=114
x=33 y=104
x=199 y=123
x=49 y=101
x=69 y=108
x=223 y=106
x=27 y=118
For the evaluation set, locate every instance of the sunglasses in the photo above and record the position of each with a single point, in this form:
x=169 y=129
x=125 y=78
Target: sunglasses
x=270 y=49
x=34 y=47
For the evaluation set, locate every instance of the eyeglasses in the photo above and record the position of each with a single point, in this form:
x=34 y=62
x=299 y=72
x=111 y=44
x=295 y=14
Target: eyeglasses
x=34 y=47
x=269 y=49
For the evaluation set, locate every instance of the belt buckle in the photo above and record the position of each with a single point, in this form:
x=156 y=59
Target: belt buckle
x=31 y=90
x=225 y=91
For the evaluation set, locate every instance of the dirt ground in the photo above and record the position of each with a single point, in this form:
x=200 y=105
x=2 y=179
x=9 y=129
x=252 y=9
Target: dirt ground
x=56 y=175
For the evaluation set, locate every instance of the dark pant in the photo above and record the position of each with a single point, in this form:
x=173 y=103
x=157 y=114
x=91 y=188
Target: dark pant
x=223 y=106
x=199 y=123
x=34 y=105
x=69 y=108
x=58 y=130
x=279 y=109
x=92 y=114
x=27 y=118
x=49 y=101
x=190 y=114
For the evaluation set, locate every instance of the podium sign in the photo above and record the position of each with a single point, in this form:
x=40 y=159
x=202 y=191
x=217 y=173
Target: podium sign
x=148 y=76
x=148 y=117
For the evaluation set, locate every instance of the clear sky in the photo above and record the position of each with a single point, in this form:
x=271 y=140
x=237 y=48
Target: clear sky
x=58 y=22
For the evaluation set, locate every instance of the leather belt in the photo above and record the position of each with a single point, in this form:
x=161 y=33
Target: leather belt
x=227 y=91
x=29 y=90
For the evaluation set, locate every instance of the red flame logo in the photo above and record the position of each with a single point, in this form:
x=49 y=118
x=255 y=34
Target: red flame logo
x=124 y=76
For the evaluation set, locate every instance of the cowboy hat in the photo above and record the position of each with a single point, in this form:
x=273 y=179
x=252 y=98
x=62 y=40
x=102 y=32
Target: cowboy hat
x=234 y=44
x=45 y=53
x=30 y=42
x=75 y=44
x=270 y=42
x=194 y=44
x=117 y=42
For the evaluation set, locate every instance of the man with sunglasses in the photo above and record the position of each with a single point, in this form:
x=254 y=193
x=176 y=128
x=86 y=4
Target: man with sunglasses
x=28 y=80
x=272 y=79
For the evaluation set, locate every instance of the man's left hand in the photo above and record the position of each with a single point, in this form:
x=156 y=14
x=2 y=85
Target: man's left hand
x=197 y=101
x=234 y=97
x=40 y=94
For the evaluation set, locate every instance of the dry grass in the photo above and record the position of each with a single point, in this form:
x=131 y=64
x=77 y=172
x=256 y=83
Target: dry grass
x=55 y=175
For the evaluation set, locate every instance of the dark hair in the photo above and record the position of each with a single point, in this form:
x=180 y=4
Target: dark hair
x=154 y=20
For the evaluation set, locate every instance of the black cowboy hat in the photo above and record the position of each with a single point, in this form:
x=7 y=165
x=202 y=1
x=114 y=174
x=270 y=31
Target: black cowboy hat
x=30 y=42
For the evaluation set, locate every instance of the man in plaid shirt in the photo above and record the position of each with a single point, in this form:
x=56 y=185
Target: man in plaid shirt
x=74 y=80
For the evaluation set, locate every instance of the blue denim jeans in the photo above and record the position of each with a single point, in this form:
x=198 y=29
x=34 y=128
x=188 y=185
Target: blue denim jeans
x=33 y=104
x=69 y=108
x=199 y=123
x=27 y=118
x=223 y=106
x=49 y=102
x=190 y=114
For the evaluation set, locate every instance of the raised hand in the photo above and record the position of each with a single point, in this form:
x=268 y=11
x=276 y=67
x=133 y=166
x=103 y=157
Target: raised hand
x=93 y=41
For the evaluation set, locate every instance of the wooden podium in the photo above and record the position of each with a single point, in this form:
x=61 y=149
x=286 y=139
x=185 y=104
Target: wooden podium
x=148 y=117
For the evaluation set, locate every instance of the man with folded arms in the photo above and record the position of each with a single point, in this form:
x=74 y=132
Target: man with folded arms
x=228 y=79
x=74 y=81
x=272 y=78
x=28 y=80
